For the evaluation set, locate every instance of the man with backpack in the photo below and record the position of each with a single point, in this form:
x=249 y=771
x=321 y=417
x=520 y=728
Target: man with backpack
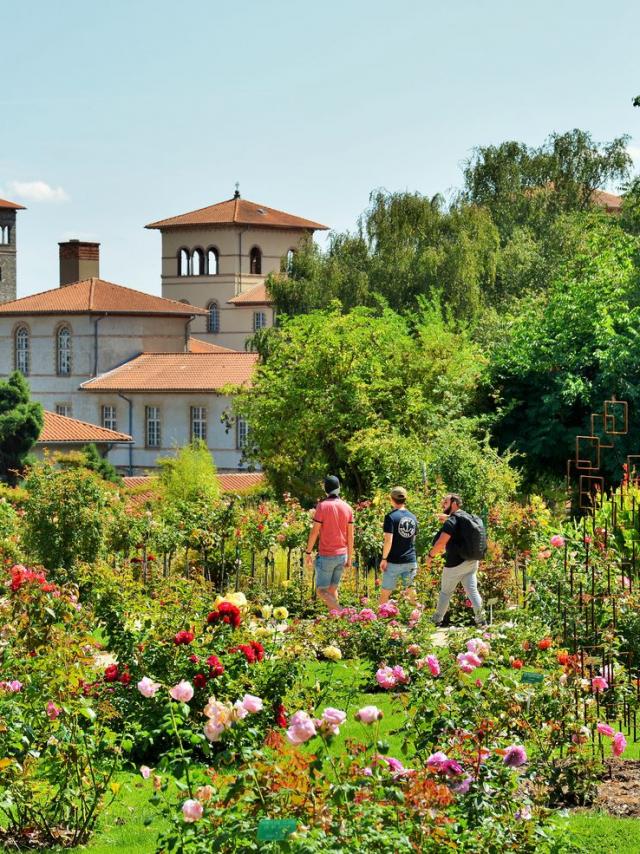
x=464 y=541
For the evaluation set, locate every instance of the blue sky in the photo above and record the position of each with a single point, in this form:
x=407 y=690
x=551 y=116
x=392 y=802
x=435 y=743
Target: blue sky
x=116 y=114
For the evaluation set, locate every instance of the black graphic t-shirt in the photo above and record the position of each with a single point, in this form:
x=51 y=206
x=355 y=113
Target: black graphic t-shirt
x=453 y=555
x=404 y=527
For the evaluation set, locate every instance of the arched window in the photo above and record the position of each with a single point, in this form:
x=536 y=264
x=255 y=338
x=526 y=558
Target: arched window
x=290 y=256
x=183 y=262
x=63 y=352
x=212 y=261
x=255 y=261
x=22 y=350
x=197 y=262
x=213 y=318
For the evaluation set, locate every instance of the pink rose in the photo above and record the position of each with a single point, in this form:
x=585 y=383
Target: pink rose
x=301 y=728
x=388 y=609
x=366 y=615
x=433 y=665
x=332 y=719
x=414 y=650
x=598 y=684
x=52 y=710
x=182 y=692
x=252 y=704
x=192 y=810
x=385 y=677
x=437 y=760
x=145 y=771
x=619 y=744
x=239 y=710
x=213 y=730
x=368 y=714
x=148 y=687
x=605 y=729
x=557 y=541
x=399 y=674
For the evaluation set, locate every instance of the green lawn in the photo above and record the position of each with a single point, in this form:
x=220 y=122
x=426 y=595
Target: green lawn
x=598 y=833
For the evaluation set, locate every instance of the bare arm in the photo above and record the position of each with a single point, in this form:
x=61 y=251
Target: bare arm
x=314 y=533
x=386 y=548
x=350 y=537
x=440 y=544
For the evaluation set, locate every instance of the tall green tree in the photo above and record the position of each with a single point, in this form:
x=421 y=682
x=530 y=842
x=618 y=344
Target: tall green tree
x=529 y=186
x=332 y=378
x=406 y=247
x=21 y=421
x=568 y=350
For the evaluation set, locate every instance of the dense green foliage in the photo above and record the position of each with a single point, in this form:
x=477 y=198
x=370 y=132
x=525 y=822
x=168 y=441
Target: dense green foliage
x=562 y=356
x=368 y=395
x=190 y=475
x=21 y=421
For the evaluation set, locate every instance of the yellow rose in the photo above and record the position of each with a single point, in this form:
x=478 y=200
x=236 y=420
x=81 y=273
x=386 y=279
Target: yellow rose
x=238 y=599
x=333 y=653
x=280 y=613
x=266 y=611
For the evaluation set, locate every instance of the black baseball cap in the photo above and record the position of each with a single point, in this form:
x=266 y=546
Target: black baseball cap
x=331 y=483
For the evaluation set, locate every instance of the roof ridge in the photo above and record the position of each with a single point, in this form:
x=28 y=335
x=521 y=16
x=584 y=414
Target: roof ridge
x=84 y=423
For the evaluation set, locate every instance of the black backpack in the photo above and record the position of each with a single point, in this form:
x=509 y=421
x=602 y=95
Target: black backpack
x=473 y=536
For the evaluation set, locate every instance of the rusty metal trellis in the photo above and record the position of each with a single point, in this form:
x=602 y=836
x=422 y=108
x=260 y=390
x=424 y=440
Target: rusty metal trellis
x=612 y=421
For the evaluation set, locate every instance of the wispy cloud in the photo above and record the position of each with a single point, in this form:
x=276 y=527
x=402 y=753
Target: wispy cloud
x=36 y=191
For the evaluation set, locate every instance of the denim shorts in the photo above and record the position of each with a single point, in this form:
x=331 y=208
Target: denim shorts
x=329 y=570
x=406 y=571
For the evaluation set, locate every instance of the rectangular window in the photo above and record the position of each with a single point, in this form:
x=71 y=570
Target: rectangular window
x=199 y=423
x=63 y=409
x=109 y=418
x=259 y=320
x=242 y=433
x=152 y=418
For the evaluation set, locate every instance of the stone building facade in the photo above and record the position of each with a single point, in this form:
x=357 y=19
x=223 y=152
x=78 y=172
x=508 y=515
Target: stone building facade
x=219 y=257
x=8 y=253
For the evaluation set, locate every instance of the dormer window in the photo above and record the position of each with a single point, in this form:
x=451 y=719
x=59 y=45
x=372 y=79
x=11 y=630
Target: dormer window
x=255 y=261
x=212 y=261
x=63 y=352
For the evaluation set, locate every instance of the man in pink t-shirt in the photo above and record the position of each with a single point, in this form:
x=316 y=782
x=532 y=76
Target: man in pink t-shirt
x=333 y=524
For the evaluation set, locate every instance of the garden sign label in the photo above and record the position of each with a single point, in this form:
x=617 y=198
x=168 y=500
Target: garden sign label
x=531 y=678
x=275 y=829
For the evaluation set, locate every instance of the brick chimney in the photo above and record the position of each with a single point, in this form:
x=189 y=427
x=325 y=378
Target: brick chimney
x=78 y=260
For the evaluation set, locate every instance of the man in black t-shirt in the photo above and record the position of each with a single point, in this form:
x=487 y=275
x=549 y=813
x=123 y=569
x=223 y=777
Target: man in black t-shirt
x=399 y=548
x=457 y=570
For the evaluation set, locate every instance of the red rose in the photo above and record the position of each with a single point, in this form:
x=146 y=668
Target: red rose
x=258 y=650
x=563 y=658
x=517 y=663
x=194 y=658
x=183 y=637
x=125 y=678
x=545 y=643
x=216 y=668
x=246 y=650
x=111 y=673
x=281 y=717
x=225 y=613
x=200 y=680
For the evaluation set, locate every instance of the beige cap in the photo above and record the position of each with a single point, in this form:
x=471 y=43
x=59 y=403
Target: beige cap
x=399 y=493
